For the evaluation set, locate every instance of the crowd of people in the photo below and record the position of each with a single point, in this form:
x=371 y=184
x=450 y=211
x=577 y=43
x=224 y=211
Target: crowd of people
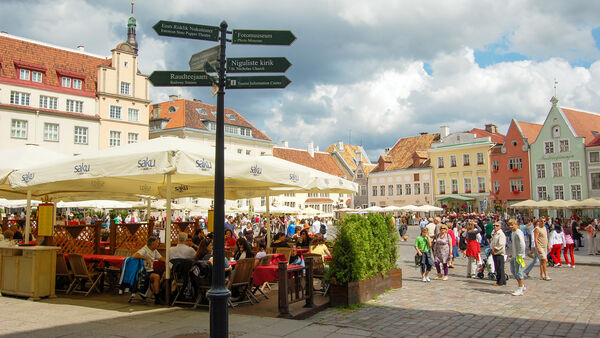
x=490 y=241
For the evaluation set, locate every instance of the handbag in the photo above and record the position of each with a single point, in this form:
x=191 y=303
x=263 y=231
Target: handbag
x=418 y=259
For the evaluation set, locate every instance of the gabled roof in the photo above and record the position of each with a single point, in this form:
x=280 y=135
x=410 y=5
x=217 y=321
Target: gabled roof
x=401 y=154
x=496 y=137
x=321 y=161
x=584 y=123
x=350 y=154
x=530 y=130
x=18 y=52
x=183 y=113
x=367 y=168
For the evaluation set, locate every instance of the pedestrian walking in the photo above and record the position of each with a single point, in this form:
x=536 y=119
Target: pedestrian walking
x=423 y=246
x=590 y=232
x=569 y=245
x=556 y=241
x=442 y=252
x=498 y=246
x=517 y=262
x=473 y=249
x=541 y=246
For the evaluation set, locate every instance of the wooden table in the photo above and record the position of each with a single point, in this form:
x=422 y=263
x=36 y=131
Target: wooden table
x=268 y=273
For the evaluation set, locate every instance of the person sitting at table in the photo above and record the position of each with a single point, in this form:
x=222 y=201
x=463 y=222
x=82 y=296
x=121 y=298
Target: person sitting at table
x=317 y=246
x=279 y=241
x=248 y=233
x=149 y=254
x=183 y=248
x=18 y=233
x=262 y=250
x=8 y=239
x=243 y=250
x=209 y=258
x=198 y=236
x=229 y=239
x=303 y=241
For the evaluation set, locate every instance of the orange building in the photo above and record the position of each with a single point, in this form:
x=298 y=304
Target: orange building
x=510 y=165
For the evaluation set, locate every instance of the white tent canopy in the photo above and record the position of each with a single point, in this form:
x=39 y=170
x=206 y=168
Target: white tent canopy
x=95 y=204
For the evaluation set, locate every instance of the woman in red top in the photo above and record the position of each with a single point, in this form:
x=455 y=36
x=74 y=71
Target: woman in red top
x=454 y=243
x=229 y=239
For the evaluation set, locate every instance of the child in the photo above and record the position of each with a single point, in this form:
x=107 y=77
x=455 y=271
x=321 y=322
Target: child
x=423 y=247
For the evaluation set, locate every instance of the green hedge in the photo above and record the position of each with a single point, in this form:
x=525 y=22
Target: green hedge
x=365 y=247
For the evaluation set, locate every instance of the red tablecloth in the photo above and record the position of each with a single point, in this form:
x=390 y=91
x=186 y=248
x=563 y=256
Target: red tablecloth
x=278 y=258
x=303 y=251
x=268 y=273
x=114 y=261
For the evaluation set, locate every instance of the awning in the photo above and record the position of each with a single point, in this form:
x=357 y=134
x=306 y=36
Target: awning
x=456 y=197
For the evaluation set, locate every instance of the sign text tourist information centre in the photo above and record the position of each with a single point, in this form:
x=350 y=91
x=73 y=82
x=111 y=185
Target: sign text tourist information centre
x=200 y=64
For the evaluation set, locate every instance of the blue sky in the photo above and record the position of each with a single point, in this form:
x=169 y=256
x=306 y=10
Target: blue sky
x=383 y=69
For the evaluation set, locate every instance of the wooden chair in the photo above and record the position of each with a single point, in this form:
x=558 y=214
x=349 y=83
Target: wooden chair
x=242 y=279
x=81 y=275
x=266 y=260
x=318 y=271
x=62 y=271
x=287 y=252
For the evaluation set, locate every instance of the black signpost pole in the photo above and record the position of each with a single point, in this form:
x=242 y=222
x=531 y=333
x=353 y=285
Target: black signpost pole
x=218 y=293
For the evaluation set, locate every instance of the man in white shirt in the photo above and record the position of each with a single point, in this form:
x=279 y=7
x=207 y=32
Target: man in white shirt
x=182 y=250
x=149 y=254
x=316 y=226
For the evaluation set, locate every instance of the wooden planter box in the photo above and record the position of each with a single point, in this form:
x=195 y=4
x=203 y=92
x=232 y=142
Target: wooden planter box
x=364 y=290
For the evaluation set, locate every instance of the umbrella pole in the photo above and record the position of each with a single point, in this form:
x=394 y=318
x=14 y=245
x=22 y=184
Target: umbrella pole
x=28 y=218
x=168 y=239
x=268 y=225
x=148 y=208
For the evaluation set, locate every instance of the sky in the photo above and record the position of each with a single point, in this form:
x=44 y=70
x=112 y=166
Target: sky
x=363 y=72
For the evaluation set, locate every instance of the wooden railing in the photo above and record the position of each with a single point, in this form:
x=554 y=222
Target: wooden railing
x=129 y=236
x=80 y=239
x=295 y=286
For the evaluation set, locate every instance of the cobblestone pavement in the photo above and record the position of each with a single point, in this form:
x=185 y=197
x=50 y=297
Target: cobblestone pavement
x=569 y=305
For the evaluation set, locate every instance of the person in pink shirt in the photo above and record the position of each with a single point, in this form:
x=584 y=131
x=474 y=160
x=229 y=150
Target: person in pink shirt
x=454 y=243
x=569 y=244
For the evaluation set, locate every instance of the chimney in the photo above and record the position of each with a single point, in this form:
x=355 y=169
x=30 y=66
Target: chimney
x=174 y=97
x=340 y=145
x=316 y=148
x=491 y=128
x=81 y=48
x=387 y=150
x=311 y=149
x=444 y=131
x=284 y=144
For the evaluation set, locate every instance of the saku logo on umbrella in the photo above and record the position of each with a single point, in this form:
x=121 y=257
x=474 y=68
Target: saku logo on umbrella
x=204 y=164
x=81 y=169
x=255 y=170
x=294 y=178
x=182 y=188
x=146 y=164
x=145 y=188
x=27 y=177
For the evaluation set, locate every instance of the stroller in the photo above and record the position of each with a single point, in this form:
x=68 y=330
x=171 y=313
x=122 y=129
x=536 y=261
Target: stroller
x=488 y=266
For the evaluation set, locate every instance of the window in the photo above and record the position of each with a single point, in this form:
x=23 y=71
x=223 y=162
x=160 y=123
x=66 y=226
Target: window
x=24 y=74
x=481 y=184
x=559 y=192
x=548 y=147
x=239 y=151
x=36 y=76
x=74 y=106
x=453 y=160
x=390 y=190
x=81 y=135
x=454 y=184
x=19 y=98
x=576 y=192
x=466 y=159
x=417 y=187
x=132 y=138
x=479 y=158
x=574 y=169
x=115 y=112
x=407 y=189
x=77 y=84
x=382 y=190
x=540 y=170
x=114 y=139
x=48 y=102
x=51 y=132
x=594 y=156
x=66 y=82
x=555 y=131
x=440 y=162
x=542 y=193
x=426 y=188
x=133 y=115
x=124 y=88
x=442 y=186
x=398 y=189
x=496 y=186
x=557 y=169
x=563 y=146
x=359 y=175
x=374 y=191
x=248 y=152
x=467 y=185
x=363 y=190
x=18 y=129
x=595 y=181
x=495 y=165
x=516 y=185
x=416 y=177
x=515 y=164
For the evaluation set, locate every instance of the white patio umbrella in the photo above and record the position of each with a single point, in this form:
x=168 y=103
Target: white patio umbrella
x=309 y=211
x=373 y=208
x=408 y=207
x=4 y=203
x=430 y=208
x=95 y=204
x=391 y=208
x=279 y=210
x=590 y=203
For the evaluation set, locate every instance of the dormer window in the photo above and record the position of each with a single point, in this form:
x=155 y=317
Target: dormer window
x=202 y=111
x=231 y=116
x=66 y=82
x=70 y=79
x=30 y=75
x=172 y=109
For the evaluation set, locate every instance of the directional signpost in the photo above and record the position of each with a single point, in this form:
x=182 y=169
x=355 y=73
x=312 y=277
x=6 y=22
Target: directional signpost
x=258 y=65
x=208 y=68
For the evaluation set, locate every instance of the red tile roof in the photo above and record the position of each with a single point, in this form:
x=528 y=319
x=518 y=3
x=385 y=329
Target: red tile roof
x=530 y=130
x=321 y=161
x=348 y=154
x=401 y=154
x=496 y=137
x=584 y=123
x=188 y=114
x=595 y=142
x=16 y=52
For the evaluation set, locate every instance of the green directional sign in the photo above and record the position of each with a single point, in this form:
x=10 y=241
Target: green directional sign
x=245 y=82
x=262 y=37
x=186 y=30
x=258 y=65
x=168 y=78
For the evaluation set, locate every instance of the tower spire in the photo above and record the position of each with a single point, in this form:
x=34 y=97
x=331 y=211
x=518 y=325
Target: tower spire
x=131 y=23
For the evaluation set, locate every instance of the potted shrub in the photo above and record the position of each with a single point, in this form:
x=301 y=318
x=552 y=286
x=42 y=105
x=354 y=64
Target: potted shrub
x=454 y=191
x=495 y=170
x=467 y=191
x=364 y=259
x=516 y=191
x=515 y=169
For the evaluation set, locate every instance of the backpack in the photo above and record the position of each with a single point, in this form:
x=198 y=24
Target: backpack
x=323 y=229
x=462 y=244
